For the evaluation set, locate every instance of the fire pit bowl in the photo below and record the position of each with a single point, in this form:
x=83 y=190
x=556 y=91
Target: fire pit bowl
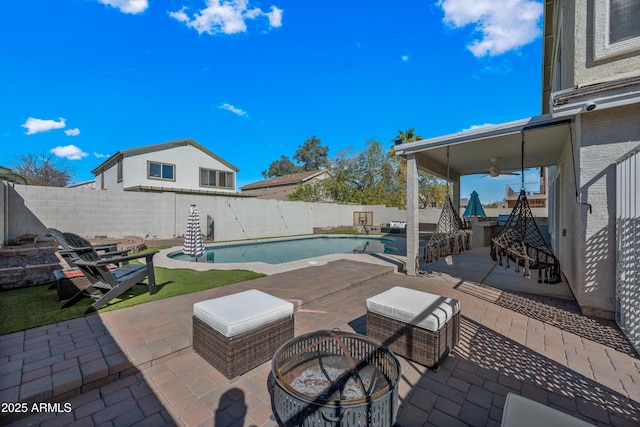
x=334 y=378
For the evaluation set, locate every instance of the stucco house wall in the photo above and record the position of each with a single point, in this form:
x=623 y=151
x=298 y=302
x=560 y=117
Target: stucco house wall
x=108 y=179
x=585 y=236
x=186 y=156
x=187 y=160
x=565 y=236
x=588 y=68
x=605 y=136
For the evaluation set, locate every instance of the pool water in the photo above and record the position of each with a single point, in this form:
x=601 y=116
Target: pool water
x=280 y=251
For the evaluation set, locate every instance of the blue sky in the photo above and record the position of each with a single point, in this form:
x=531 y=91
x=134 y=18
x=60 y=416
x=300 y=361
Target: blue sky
x=252 y=80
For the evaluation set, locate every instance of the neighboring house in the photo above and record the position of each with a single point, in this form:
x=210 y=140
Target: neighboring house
x=279 y=188
x=589 y=136
x=90 y=185
x=178 y=166
x=537 y=195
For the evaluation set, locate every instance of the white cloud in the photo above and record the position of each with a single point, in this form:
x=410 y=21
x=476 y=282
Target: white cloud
x=405 y=58
x=34 y=125
x=70 y=152
x=226 y=16
x=101 y=156
x=478 y=126
x=503 y=25
x=128 y=6
x=234 y=110
x=72 y=132
x=275 y=17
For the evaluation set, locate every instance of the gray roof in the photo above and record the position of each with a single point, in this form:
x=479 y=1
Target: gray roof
x=157 y=147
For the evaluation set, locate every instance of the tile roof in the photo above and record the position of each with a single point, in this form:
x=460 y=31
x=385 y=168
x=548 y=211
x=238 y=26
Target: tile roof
x=294 y=178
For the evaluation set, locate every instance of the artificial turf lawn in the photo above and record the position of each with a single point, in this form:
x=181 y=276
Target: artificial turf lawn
x=35 y=306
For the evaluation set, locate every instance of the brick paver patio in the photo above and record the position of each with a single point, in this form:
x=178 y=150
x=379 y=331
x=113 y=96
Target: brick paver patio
x=136 y=366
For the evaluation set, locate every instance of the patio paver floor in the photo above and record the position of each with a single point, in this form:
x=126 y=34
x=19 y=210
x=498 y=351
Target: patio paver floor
x=136 y=366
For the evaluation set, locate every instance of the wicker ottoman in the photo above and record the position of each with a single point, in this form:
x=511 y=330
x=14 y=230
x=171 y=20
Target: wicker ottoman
x=417 y=325
x=238 y=332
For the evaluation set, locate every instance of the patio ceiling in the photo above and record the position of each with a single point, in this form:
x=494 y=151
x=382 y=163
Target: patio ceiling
x=470 y=152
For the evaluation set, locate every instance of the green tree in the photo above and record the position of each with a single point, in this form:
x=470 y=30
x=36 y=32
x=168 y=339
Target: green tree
x=7 y=174
x=43 y=169
x=431 y=189
x=312 y=155
x=281 y=167
x=369 y=177
x=309 y=156
x=308 y=193
x=407 y=136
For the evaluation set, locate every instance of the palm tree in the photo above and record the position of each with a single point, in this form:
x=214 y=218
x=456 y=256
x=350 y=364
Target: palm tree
x=407 y=136
x=7 y=174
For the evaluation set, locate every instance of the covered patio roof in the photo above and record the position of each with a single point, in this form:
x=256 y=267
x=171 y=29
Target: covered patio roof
x=471 y=151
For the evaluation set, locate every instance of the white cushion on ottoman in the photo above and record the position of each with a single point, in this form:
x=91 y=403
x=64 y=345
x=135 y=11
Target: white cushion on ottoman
x=234 y=314
x=427 y=311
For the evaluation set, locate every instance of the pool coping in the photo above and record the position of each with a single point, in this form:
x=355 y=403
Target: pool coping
x=398 y=261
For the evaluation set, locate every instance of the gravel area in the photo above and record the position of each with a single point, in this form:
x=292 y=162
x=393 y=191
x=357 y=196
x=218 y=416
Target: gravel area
x=23 y=261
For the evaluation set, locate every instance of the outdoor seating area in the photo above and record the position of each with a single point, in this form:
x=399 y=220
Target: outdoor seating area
x=103 y=282
x=109 y=250
x=138 y=365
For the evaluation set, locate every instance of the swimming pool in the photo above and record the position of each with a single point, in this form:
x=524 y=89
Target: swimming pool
x=281 y=251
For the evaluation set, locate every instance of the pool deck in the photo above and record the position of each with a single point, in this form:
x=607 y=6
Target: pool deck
x=136 y=366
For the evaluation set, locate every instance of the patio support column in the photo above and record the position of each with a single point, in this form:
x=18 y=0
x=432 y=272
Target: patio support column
x=456 y=195
x=413 y=215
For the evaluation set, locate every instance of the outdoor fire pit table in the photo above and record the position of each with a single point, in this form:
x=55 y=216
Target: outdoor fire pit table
x=333 y=378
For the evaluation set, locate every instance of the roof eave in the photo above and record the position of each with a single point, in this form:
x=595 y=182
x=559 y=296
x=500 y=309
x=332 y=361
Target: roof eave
x=477 y=134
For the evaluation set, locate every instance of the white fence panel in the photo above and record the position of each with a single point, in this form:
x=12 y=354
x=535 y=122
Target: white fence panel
x=628 y=246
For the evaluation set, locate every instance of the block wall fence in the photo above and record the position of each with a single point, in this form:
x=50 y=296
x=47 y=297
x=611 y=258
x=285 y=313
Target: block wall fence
x=90 y=213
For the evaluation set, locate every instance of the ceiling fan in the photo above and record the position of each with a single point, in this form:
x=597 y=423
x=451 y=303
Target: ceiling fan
x=494 y=170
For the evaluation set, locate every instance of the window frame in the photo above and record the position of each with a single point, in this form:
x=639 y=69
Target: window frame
x=162 y=165
x=208 y=177
x=218 y=175
x=603 y=49
x=229 y=176
x=119 y=170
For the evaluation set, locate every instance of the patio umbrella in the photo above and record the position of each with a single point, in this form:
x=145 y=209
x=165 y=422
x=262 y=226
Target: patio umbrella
x=193 y=244
x=474 y=208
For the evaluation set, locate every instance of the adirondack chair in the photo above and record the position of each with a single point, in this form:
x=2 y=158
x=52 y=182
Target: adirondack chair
x=109 y=250
x=109 y=283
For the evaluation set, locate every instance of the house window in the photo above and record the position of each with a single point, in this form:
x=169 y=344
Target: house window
x=226 y=179
x=161 y=171
x=624 y=20
x=119 y=170
x=617 y=31
x=208 y=178
x=215 y=178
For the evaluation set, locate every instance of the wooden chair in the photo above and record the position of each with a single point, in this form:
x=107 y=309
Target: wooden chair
x=109 y=283
x=109 y=250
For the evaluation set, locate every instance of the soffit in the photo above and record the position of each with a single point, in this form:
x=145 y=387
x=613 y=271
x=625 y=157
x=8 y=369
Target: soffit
x=470 y=152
